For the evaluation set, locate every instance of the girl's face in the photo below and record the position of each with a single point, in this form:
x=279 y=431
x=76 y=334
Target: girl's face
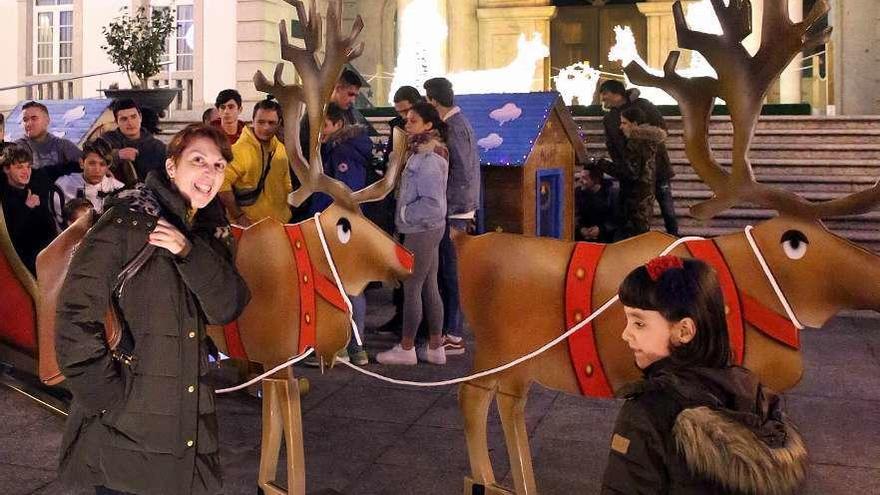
x=415 y=124
x=626 y=126
x=198 y=173
x=648 y=334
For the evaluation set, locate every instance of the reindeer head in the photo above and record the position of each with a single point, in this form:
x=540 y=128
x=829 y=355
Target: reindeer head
x=821 y=272
x=361 y=251
x=533 y=49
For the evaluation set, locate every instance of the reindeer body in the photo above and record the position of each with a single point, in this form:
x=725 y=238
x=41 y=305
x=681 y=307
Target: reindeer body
x=515 y=303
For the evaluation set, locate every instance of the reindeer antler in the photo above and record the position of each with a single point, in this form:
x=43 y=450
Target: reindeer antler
x=743 y=81
x=318 y=83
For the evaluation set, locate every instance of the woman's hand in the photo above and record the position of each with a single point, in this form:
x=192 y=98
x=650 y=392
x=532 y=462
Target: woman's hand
x=167 y=236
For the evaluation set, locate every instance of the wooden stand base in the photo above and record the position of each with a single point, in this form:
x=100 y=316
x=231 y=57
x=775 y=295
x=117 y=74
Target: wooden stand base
x=473 y=488
x=282 y=417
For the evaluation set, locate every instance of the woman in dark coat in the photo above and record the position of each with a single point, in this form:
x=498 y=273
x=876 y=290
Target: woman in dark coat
x=149 y=426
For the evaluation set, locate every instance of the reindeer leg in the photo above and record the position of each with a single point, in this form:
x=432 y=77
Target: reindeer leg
x=511 y=401
x=291 y=414
x=272 y=432
x=474 y=400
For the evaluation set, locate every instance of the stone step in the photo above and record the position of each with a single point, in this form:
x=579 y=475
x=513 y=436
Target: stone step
x=821 y=171
x=741 y=217
x=768 y=122
x=810 y=150
x=703 y=193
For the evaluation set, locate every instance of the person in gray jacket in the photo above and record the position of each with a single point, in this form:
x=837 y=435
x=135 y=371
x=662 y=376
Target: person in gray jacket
x=53 y=155
x=421 y=218
x=463 y=199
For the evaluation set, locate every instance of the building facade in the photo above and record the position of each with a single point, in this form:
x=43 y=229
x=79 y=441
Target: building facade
x=221 y=43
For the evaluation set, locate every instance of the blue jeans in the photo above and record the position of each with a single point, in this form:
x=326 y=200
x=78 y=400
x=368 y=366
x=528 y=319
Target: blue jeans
x=448 y=277
x=359 y=314
x=663 y=193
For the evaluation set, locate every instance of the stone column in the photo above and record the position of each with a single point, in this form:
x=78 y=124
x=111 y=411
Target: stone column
x=662 y=38
x=790 y=80
x=500 y=28
x=464 y=33
x=856 y=40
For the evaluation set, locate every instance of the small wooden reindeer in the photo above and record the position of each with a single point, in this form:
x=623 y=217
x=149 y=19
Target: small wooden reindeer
x=296 y=302
x=785 y=272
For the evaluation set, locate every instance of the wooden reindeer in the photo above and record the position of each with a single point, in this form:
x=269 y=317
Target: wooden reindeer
x=289 y=268
x=785 y=272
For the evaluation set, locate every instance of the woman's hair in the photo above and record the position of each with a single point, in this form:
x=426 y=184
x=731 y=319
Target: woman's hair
x=691 y=291
x=194 y=131
x=635 y=115
x=335 y=113
x=430 y=115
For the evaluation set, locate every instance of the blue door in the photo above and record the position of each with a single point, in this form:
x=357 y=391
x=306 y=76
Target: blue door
x=549 y=197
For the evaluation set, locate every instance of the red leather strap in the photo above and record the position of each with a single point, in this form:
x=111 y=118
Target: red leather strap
x=307 y=332
x=329 y=292
x=769 y=322
x=707 y=251
x=234 y=345
x=578 y=305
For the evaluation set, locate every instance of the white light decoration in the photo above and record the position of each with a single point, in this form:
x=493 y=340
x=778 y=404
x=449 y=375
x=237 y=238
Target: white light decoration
x=423 y=32
x=577 y=82
x=700 y=17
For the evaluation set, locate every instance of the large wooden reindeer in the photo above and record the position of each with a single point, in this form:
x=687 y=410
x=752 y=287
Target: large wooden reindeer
x=294 y=272
x=296 y=302
x=786 y=272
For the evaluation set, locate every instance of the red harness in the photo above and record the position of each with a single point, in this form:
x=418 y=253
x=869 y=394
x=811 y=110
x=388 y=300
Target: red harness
x=312 y=283
x=741 y=308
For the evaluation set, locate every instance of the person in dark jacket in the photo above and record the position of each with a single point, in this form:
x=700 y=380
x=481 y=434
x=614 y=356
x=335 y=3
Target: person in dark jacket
x=25 y=198
x=617 y=98
x=463 y=200
x=148 y=426
x=694 y=424
x=635 y=173
x=594 y=205
x=53 y=155
x=345 y=152
x=136 y=152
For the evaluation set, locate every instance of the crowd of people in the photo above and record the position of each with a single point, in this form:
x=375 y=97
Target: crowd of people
x=178 y=202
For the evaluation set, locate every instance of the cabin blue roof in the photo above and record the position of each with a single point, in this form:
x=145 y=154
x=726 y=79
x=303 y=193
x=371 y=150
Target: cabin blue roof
x=70 y=119
x=507 y=125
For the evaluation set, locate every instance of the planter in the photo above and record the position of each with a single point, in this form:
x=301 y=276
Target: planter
x=155 y=99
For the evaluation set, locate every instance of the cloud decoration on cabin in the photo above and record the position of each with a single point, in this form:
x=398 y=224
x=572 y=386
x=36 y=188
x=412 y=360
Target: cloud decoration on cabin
x=490 y=142
x=508 y=113
x=74 y=114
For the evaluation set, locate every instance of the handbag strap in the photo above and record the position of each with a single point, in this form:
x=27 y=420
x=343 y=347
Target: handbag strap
x=132 y=267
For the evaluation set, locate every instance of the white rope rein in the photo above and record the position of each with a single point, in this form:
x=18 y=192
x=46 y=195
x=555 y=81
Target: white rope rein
x=329 y=257
x=521 y=359
x=779 y=294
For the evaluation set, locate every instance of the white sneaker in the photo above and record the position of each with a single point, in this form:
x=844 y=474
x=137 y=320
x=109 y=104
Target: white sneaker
x=433 y=356
x=398 y=355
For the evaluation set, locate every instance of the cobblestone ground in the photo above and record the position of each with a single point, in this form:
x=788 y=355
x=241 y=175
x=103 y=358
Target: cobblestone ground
x=366 y=437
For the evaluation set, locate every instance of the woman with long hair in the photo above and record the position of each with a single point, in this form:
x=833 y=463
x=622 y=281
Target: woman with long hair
x=142 y=419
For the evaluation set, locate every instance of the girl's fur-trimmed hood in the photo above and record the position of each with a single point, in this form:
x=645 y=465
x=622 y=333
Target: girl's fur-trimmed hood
x=646 y=132
x=719 y=448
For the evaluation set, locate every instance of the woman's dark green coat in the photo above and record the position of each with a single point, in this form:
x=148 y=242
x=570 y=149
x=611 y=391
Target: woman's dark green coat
x=149 y=428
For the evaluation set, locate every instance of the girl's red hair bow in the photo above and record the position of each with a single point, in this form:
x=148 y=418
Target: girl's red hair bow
x=657 y=266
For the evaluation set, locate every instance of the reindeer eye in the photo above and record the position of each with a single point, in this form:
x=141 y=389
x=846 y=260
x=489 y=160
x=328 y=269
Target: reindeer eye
x=343 y=230
x=794 y=243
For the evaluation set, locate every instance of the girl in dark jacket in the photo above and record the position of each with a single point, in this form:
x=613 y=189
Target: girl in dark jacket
x=695 y=424
x=147 y=425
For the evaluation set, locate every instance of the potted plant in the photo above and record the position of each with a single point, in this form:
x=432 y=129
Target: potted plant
x=136 y=44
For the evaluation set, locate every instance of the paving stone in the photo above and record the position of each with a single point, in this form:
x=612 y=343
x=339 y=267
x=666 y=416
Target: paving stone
x=826 y=478
x=426 y=445
x=838 y=431
x=578 y=419
x=21 y=480
x=431 y=479
x=853 y=381
x=377 y=403
x=20 y=449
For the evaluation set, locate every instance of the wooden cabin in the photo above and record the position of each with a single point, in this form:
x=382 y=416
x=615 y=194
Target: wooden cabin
x=529 y=145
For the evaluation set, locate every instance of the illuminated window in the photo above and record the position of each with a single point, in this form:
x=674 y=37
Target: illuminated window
x=53 y=37
x=180 y=46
